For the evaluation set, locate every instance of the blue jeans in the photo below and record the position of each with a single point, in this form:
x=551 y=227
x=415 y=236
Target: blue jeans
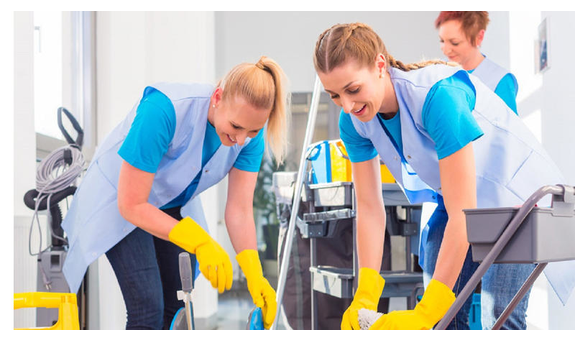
x=147 y=269
x=498 y=286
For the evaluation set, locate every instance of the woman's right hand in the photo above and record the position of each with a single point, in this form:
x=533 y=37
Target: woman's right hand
x=215 y=263
x=367 y=296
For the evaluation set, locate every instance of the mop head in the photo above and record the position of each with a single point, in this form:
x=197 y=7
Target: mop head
x=367 y=317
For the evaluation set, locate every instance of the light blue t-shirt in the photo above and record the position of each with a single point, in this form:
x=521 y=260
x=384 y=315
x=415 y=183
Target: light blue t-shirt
x=446 y=116
x=152 y=131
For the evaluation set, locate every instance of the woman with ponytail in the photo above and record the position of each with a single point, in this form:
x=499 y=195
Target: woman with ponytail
x=446 y=138
x=138 y=202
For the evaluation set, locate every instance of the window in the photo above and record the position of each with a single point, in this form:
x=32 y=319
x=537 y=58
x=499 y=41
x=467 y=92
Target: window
x=47 y=71
x=63 y=64
x=326 y=124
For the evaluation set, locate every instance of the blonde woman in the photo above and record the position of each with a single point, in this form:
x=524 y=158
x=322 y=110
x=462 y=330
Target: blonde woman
x=138 y=202
x=446 y=138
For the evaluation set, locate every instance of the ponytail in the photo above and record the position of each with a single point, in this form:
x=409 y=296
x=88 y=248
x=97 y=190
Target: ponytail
x=263 y=85
x=414 y=66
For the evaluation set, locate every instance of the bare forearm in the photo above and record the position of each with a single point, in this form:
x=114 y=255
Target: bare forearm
x=370 y=239
x=239 y=213
x=370 y=213
x=459 y=189
x=242 y=231
x=149 y=218
x=134 y=187
x=453 y=250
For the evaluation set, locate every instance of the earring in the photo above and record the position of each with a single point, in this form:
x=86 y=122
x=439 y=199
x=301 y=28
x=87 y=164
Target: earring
x=214 y=106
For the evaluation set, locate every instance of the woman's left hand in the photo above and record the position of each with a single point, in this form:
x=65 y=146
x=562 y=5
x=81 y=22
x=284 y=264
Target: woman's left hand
x=435 y=303
x=263 y=295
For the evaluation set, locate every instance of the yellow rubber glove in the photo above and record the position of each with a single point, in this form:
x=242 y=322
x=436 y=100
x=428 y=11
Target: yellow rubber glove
x=263 y=295
x=214 y=262
x=435 y=303
x=367 y=296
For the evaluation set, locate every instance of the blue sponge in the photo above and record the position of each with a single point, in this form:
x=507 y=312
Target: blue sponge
x=256 y=319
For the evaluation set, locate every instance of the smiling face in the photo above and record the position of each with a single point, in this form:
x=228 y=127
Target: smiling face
x=235 y=119
x=456 y=46
x=358 y=90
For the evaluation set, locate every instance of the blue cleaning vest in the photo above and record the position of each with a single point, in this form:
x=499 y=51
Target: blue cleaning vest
x=510 y=163
x=490 y=74
x=93 y=223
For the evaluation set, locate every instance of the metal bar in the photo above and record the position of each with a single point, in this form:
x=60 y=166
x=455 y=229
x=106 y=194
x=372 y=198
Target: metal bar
x=314 y=313
x=297 y=197
x=520 y=294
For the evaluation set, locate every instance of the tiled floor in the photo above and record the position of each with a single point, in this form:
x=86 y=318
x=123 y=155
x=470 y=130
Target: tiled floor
x=235 y=306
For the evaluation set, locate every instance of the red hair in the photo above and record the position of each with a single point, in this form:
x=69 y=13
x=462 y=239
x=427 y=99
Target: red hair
x=471 y=22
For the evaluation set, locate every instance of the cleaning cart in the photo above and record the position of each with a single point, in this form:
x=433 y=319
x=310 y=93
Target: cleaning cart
x=327 y=225
x=526 y=234
x=327 y=193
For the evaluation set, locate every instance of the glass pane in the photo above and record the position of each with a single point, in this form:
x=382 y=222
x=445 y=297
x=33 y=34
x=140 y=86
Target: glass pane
x=47 y=71
x=325 y=126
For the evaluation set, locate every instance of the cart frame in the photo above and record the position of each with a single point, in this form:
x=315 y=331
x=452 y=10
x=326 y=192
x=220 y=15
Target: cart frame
x=563 y=199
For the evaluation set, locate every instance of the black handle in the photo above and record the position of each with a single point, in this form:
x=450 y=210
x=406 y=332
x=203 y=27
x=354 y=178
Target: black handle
x=80 y=139
x=32 y=195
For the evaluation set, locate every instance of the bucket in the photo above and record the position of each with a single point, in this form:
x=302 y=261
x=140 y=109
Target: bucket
x=340 y=164
x=335 y=166
x=65 y=302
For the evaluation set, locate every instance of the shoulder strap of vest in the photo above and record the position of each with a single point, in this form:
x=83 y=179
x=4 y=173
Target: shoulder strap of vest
x=490 y=73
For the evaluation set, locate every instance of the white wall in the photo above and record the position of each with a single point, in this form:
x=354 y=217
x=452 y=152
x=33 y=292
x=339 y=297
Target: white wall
x=545 y=103
x=136 y=49
x=289 y=38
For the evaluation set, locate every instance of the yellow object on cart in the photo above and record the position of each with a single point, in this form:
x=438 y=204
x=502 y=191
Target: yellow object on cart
x=65 y=302
x=341 y=165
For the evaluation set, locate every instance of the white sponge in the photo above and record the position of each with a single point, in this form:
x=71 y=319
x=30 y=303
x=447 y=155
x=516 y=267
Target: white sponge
x=367 y=317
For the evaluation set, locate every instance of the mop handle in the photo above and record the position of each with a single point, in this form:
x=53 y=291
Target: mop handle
x=186 y=272
x=297 y=196
x=187 y=285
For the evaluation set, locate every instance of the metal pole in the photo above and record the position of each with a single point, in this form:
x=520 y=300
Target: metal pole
x=520 y=294
x=187 y=286
x=297 y=196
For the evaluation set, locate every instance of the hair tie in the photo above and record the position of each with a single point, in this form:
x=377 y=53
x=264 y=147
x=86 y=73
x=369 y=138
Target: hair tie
x=260 y=65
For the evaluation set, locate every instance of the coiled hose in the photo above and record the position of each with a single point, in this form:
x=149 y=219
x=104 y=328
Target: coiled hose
x=56 y=173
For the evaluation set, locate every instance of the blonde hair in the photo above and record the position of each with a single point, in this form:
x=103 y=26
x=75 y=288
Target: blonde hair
x=359 y=42
x=263 y=85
